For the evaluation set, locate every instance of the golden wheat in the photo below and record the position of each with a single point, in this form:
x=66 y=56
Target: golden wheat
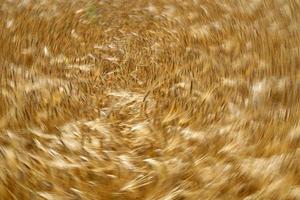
x=159 y=99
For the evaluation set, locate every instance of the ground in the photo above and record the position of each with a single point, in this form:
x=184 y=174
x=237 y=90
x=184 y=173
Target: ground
x=150 y=99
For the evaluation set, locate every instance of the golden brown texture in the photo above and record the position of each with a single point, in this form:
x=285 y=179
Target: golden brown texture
x=158 y=99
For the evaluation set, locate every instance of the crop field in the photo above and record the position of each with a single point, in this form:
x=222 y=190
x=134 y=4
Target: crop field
x=150 y=99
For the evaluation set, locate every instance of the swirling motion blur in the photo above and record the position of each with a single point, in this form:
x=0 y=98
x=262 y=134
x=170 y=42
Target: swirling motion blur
x=150 y=99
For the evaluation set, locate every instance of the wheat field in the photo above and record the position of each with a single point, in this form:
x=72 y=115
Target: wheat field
x=150 y=99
